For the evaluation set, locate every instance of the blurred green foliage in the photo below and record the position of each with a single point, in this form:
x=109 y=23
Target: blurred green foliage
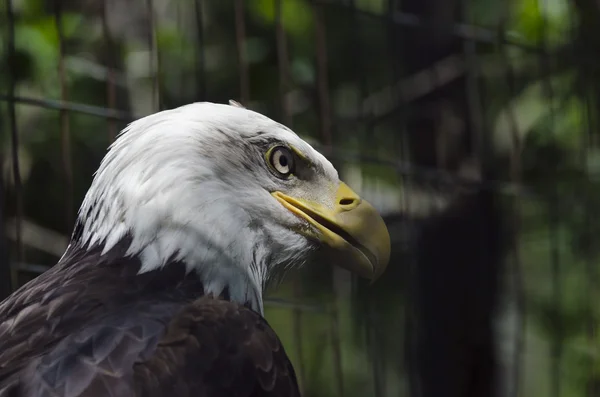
x=548 y=109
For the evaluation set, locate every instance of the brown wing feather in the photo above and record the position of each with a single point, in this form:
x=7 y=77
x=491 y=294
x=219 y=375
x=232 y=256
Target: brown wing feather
x=211 y=348
x=79 y=331
x=216 y=348
x=83 y=287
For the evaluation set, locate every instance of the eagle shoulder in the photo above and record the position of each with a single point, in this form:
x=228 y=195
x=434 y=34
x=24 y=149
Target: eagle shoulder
x=217 y=348
x=92 y=326
x=207 y=348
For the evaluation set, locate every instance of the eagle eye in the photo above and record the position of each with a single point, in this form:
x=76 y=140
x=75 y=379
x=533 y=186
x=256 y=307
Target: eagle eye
x=281 y=160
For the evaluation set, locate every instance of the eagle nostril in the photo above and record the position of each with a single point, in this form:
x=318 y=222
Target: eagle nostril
x=347 y=201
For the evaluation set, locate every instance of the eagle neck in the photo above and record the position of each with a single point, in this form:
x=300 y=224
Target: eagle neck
x=177 y=276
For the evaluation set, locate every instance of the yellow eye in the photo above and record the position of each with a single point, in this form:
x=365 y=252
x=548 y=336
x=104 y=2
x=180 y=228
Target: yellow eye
x=281 y=160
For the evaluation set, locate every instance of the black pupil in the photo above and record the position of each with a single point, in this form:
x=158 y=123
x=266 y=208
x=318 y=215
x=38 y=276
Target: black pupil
x=283 y=161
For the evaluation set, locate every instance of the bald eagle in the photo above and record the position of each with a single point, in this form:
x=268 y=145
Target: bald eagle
x=192 y=212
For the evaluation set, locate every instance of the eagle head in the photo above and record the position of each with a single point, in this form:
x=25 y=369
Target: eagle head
x=234 y=195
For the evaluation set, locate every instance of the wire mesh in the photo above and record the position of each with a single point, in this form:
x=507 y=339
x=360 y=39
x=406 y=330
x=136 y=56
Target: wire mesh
x=374 y=108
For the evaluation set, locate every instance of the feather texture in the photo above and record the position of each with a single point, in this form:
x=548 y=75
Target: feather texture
x=92 y=326
x=160 y=290
x=192 y=184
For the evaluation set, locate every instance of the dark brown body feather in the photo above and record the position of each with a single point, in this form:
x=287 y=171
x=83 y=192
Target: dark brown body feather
x=91 y=326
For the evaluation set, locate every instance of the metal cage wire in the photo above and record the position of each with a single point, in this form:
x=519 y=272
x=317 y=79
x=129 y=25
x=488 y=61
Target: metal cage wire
x=404 y=92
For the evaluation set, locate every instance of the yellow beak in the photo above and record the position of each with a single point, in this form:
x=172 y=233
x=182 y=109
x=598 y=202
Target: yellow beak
x=351 y=227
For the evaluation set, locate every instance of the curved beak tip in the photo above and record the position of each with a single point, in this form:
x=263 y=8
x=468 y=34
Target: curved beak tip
x=367 y=241
x=356 y=233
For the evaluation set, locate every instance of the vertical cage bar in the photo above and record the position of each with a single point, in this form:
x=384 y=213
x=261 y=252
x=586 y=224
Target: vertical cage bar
x=593 y=385
x=322 y=79
x=283 y=65
x=10 y=273
x=516 y=265
x=372 y=340
x=12 y=119
x=325 y=130
x=473 y=100
x=183 y=83
x=556 y=344
x=200 y=66
x=410 y=317
x=557 y=293
x=358 y=61
x=297 y=334
x=589 y=143
x=336 y=346
x=378 y=388
x=111 y=94
x=240 y=38
x=65 y=136
x=6 y=270
x=154 y=56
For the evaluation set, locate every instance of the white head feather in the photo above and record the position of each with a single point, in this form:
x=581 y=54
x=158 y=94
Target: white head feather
x=192 y=184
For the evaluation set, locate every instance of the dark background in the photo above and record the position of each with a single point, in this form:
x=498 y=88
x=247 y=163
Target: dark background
x=471 y=125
